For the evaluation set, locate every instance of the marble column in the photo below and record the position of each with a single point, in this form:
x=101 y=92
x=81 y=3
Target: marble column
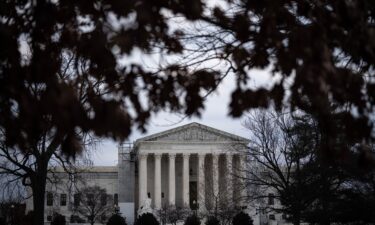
x=157 y=179
x=172 y=179
x=142 y=178
x=242 y=175
x=185 y=179
x=229 y=178
x=215 y=174
x=201 y=181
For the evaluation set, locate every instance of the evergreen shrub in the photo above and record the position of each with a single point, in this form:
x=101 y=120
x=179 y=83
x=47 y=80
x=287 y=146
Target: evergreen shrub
x=58 y=220
x=192 y=220
x=242 y=219
x=146 y=219
x=116 y=219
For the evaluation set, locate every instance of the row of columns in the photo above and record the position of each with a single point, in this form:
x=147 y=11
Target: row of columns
x=185 y=177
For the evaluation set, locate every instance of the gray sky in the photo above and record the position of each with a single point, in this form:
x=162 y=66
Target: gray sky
x=215 y=115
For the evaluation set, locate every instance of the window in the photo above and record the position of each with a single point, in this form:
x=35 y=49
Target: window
x=63 y=199
x=271 y=199
x=103 y=199
x=77 y=199
x=49 y=218
x=284 y=217
x=49 y=199
x=115 y=199
x=271 y=217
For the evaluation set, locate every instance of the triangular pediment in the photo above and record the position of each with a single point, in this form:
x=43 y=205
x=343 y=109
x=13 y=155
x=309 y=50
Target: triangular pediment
x=194 y=132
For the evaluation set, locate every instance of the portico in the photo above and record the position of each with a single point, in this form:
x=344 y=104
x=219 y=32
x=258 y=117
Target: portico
x=192 y=157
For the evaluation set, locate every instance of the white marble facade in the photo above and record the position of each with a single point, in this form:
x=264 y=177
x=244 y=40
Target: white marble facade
x=188 y=165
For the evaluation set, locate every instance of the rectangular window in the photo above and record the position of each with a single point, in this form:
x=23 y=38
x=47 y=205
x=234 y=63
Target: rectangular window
x=77 y=199
x=103 y=199
x=272 y=217
x=115 y=199
x=49 y=199
x=271 y=199
x=63 y=199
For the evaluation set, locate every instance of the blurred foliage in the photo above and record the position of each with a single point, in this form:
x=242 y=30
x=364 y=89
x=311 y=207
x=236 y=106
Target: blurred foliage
x=318 y=52
x=59 y=69
x=61 y=80
x=59 y=64
x=60 y=76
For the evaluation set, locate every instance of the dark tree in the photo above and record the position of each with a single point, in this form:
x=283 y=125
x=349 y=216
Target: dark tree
x=65 y=69
x=318 y=53
x=277 y=160
x=61 y=80
x=116 y=219
x=285 y=166
x=353 y=202
x=94 y=204
x=58 y=220
x=242 y=219
x=192 y=220
x=146 y=219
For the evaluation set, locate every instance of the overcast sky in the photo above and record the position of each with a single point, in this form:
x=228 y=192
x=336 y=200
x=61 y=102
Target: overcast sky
x=215 y=115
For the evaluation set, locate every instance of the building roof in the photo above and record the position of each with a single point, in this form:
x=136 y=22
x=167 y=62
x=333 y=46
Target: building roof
x=202 y=133
x=91 y=169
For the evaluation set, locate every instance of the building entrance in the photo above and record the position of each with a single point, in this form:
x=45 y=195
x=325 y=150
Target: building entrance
x=193 y=195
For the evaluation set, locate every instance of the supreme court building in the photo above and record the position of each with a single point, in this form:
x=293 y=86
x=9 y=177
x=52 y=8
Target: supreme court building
x=192 y=166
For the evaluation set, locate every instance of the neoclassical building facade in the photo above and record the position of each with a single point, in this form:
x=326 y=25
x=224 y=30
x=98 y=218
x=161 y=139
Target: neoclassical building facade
x=192 y=166
x=189 y=166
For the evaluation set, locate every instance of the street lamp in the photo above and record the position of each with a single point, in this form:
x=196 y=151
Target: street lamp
x=12 y=214
x=195 y=207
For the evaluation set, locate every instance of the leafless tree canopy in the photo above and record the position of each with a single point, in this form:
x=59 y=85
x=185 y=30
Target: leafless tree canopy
x=285 y=174
x=95 y=205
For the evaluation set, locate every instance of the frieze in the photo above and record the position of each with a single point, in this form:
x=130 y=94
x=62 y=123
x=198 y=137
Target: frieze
x=192 y=134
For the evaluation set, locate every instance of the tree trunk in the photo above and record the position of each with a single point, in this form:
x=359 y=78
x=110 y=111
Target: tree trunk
x=38 y=188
